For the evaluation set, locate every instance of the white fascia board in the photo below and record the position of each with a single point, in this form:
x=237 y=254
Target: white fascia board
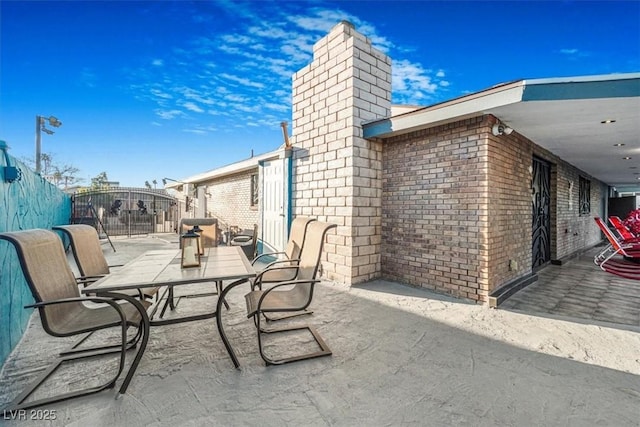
x=457 y=109
x=233 y=168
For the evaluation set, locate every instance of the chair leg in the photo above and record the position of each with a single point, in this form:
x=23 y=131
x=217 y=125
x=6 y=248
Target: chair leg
x=100 y=349
x=324 y=348
x=286 y=316
x=19 y=403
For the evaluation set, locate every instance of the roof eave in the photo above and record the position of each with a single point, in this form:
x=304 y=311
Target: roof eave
x=483 y=102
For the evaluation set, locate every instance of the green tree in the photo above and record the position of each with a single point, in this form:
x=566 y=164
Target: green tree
x=100 y=181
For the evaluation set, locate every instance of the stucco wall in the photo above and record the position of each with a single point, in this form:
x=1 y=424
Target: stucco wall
x=31 y=202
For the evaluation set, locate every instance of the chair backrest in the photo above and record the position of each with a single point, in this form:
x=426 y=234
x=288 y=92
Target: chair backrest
x=296 y=236
x=254 y=243
x=312 y=249
x=87 y=251
x=617 y=246
x=621 y=228
x=47 y=272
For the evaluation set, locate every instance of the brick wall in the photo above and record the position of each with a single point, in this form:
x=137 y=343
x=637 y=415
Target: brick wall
x=229 y=200
x=456 y=206
x=434 y=202
x=571 y=232
x=337 y=173
x=509 y=224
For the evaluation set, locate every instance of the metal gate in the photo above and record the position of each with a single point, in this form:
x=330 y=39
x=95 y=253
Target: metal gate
x=126 y=211
x=541 y=212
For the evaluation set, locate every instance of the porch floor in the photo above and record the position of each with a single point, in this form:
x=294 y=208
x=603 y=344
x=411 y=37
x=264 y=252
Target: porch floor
x=401 y=356
x=580 y=290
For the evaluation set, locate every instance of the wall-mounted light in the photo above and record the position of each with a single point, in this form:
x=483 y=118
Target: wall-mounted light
x=501 y=129
x=10 y=173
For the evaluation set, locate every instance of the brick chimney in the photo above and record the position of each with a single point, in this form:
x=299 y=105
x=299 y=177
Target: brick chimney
x=337 y=173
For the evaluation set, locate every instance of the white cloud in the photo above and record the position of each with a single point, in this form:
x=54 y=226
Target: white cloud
x=192 y=107
x=160 y=94
x=88 y=77
x=169 y=114
x=157 y=62
x=196 y=131
x=409 y=76
x=243 y=81
x=569 y=51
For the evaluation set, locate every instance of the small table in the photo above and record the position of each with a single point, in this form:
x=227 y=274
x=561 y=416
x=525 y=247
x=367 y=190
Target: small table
x=162 y=268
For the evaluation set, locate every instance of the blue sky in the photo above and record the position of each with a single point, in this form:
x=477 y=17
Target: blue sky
x=153 y=89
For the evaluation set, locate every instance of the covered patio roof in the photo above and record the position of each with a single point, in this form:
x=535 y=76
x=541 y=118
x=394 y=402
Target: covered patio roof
x=592 y=122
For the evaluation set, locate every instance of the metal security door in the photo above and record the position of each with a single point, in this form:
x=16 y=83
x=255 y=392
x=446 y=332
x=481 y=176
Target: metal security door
x=541 y=212
x=274 y=206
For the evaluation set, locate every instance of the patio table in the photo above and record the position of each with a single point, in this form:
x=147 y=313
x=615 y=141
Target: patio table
x=162 y=268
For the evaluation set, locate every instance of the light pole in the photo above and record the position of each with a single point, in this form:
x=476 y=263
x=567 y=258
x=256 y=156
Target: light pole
x=40 y=127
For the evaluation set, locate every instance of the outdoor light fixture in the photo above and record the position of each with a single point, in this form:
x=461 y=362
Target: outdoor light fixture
x=196 y=229
x=164 y=181
x=40 y=127
x=190 y=252
x=501 y=129
x=11 y=173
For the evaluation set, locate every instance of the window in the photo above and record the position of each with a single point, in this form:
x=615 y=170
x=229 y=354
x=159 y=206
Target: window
x=254 y=190
x=584 y=197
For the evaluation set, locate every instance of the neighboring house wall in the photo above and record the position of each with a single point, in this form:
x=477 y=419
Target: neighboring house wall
x=229 y=200
x=337 y=173
x=31 y=202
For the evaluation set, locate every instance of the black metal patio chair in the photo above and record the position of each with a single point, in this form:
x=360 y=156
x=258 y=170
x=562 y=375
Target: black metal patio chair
x=63 y=312
x=292 y=295
x=89 y=257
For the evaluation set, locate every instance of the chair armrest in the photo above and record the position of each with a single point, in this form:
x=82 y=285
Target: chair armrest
x=266 y=254
x=312 y=282
x=257 y=282
x=292 y=282
x=109 y=301
x=85 y=280
x=290 y=262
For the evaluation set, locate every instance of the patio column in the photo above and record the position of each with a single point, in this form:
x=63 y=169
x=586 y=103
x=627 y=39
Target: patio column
x=337 y=173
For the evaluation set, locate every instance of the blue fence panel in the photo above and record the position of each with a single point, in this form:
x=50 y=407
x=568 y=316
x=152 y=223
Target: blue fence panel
x=28 y=202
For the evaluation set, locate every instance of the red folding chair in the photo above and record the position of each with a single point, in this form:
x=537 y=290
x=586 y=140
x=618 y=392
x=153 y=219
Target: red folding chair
x=620 y=267
x=626 y=234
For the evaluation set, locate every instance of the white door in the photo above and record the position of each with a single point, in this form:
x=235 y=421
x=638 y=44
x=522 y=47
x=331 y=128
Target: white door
x=274 y=205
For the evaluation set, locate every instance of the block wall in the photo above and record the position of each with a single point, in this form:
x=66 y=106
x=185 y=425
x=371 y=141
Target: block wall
x=337 y=173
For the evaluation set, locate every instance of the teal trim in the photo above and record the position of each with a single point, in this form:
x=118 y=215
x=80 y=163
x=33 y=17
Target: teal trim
x=259 y=242
x=289 y=194
x=581 y=90
x=371 y=130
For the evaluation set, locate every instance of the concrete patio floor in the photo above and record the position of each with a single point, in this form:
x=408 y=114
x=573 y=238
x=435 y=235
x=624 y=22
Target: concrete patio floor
x=401 y=356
